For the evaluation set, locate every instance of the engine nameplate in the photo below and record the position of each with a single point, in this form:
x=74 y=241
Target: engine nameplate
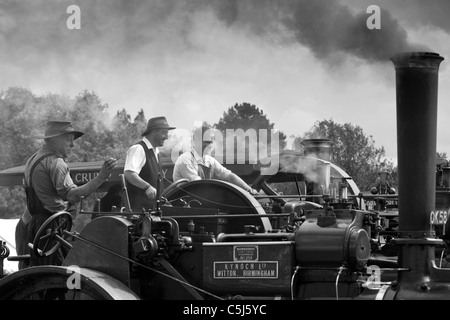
x=248 y=267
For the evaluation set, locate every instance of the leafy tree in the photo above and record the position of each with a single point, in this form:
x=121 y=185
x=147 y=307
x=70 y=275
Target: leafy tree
x=247 y=116
x=23 y=116
x=12 y=202
x=88 y=114
x=121 y=135
x=352 y=150
x=139 y=125
x=18 y=120
x=126 y=132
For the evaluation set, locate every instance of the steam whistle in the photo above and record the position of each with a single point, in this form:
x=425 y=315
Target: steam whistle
x=339 y=189
x=343 y=190
x=338 y=192
x=334 y=191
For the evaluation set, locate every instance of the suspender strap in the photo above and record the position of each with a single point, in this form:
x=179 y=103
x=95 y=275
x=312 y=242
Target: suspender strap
x=34 y=166
x=203 y=171
x=34 y=204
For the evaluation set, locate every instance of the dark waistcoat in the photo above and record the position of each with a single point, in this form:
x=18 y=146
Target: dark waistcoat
x=150 y=172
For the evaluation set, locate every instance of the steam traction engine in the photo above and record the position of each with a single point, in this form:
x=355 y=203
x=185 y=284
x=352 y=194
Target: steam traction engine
x=211 y=240
x=207 y=252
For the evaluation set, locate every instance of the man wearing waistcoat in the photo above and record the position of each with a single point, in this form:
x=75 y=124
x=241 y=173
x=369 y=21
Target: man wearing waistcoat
x=143 y=167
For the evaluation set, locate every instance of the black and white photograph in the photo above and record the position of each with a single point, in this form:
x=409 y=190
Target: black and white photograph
x=209 y=152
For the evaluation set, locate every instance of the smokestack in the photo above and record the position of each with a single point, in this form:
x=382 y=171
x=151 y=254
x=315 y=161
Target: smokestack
x=319 y=148
x=417 y=87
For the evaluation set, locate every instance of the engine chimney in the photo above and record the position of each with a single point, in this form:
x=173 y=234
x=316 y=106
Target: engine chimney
x=417 y=87
x=319 y=148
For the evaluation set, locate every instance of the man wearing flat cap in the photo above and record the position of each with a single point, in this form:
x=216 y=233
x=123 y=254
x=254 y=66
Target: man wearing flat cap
x=143 y=168
x=49 y=186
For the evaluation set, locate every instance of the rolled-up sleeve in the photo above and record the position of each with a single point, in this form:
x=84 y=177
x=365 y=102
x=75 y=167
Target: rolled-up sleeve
x=61 y=179
x=218 y=170
x=135 y=159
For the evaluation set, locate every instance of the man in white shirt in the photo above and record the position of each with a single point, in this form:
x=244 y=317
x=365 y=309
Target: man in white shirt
x=142 y=166
x=191 y=166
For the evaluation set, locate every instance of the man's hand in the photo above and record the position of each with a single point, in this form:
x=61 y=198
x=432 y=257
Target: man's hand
x=107 y=167
x=253 y=192
x=75 y=194
x=151 y=192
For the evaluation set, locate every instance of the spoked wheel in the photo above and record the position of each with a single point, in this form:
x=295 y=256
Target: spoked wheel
x=63 y=283
x=50 y=235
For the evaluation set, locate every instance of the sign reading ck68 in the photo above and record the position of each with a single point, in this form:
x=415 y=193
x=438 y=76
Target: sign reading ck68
x=439 y=217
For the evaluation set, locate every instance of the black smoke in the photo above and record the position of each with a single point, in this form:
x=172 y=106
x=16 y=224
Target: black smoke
x=328 y=27
x=120 y=30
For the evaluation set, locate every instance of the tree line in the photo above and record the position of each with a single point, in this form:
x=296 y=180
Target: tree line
x=23 y=116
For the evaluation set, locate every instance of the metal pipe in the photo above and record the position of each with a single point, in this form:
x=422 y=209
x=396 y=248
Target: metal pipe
x=228 y=216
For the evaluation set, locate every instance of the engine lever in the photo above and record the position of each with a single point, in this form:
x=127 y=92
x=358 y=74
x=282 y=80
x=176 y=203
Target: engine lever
x=164 y=200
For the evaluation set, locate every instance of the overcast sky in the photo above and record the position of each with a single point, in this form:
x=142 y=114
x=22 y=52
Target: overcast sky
x=300 y=61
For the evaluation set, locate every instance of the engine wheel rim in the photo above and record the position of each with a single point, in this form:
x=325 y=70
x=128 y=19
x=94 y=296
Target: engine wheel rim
x=54 y=283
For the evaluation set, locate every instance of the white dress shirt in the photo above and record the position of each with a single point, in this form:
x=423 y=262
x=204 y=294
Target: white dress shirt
x=187 y=167
x=136 y=158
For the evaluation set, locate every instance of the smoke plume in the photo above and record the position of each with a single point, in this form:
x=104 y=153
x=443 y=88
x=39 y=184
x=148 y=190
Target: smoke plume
x=328 y=27
x=119 y=30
